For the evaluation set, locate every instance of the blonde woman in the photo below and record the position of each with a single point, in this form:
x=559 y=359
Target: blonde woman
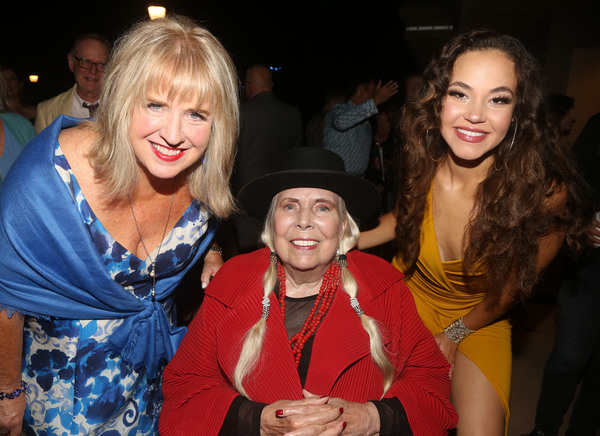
x=305 y=336
x=100 y=221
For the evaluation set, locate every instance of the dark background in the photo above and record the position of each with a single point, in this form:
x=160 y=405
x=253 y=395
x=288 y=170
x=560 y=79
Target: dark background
x=314 y=43
x=311 y=45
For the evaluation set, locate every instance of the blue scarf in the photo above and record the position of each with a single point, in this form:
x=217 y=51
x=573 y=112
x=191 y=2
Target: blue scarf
x=49 y=266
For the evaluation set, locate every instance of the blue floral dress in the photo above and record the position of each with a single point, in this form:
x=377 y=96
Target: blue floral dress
x=76 y=387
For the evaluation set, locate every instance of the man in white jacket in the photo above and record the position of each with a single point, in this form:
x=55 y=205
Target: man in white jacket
x=87 y=60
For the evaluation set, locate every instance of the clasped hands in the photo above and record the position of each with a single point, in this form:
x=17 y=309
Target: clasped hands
x=316 y=415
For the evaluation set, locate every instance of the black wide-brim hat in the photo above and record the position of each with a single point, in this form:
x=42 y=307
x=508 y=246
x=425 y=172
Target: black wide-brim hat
x=310 y=167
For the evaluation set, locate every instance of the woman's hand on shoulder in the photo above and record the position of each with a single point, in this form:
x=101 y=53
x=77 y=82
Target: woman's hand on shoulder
x=213 y=260
x=306 y=417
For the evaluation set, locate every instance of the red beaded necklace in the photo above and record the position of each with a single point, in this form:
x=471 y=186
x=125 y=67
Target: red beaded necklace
x=320 y=308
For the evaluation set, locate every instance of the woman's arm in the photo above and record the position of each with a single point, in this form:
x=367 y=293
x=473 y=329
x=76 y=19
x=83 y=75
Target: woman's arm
x=213 y=260
x=11 y=344
x=384 y=232
x=489 y=310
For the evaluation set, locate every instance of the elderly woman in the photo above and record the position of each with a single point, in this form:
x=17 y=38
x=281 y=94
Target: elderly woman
x=303 y=336
x=100 y=221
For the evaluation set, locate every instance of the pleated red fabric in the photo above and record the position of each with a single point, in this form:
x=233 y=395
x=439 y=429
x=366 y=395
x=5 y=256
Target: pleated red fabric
x=198 y=388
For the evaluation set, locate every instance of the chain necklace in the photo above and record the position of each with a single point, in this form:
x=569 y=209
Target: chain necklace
x=152 y=272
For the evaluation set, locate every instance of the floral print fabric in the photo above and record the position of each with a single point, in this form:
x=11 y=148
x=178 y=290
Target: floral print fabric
x=76 y=387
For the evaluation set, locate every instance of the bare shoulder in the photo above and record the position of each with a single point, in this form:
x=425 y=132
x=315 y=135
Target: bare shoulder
x=556 y=198
x=75 y=144
x=78 y=138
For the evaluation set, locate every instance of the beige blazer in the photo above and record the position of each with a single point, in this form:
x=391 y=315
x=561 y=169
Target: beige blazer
x=49 y=110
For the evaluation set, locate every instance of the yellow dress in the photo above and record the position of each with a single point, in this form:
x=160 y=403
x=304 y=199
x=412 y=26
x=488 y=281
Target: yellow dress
x=440 y=292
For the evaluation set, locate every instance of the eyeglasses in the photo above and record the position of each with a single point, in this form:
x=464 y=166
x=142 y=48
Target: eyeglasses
x=86 y=64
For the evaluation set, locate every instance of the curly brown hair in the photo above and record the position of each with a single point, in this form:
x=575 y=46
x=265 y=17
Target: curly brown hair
x=531 y=189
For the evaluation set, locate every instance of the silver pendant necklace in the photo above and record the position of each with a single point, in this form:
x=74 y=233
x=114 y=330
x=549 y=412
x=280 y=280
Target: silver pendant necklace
x=152 y=272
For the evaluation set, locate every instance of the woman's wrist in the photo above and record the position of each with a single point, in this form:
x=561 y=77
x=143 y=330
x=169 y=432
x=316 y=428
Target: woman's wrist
x=374 y=418
x=457 y=331
x=215 y=249
x=11 y=394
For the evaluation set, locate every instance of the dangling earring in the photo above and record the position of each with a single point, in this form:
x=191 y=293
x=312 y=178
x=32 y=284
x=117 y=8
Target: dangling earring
x=514 y=133
x=430 y=157
x=496 y=167
x=427 y=150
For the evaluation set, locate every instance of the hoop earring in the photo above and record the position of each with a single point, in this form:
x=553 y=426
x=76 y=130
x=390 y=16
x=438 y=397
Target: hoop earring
x=427 y=150
x=431 y=157
x=514 y=133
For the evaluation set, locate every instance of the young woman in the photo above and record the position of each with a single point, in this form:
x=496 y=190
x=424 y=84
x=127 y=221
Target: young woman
x=486 y=200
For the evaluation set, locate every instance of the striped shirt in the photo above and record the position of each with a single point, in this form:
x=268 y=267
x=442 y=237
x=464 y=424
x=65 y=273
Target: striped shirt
x=348 y=134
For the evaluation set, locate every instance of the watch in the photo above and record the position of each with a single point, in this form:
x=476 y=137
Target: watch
x=215 y=247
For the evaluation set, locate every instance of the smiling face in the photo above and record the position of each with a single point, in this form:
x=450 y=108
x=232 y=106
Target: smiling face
x=88 y=80
x=307 y=230
x=169 y=136
x=478 y=107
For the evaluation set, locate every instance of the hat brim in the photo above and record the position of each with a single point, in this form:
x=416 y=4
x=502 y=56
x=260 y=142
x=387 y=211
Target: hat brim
x=361 y=197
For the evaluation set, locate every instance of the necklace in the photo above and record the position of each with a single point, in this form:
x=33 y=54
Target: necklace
x=322 y=302
x=152 y=272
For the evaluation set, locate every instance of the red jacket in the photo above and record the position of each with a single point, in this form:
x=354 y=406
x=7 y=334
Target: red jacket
x=198 y=388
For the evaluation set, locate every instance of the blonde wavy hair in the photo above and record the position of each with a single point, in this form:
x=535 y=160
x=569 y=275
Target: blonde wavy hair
x=253 y=341
x=174 y=55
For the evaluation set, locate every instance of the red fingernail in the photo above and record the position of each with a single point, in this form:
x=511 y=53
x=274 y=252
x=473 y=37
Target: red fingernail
x=279 y=412
x=344 y=425
x=341 y=410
